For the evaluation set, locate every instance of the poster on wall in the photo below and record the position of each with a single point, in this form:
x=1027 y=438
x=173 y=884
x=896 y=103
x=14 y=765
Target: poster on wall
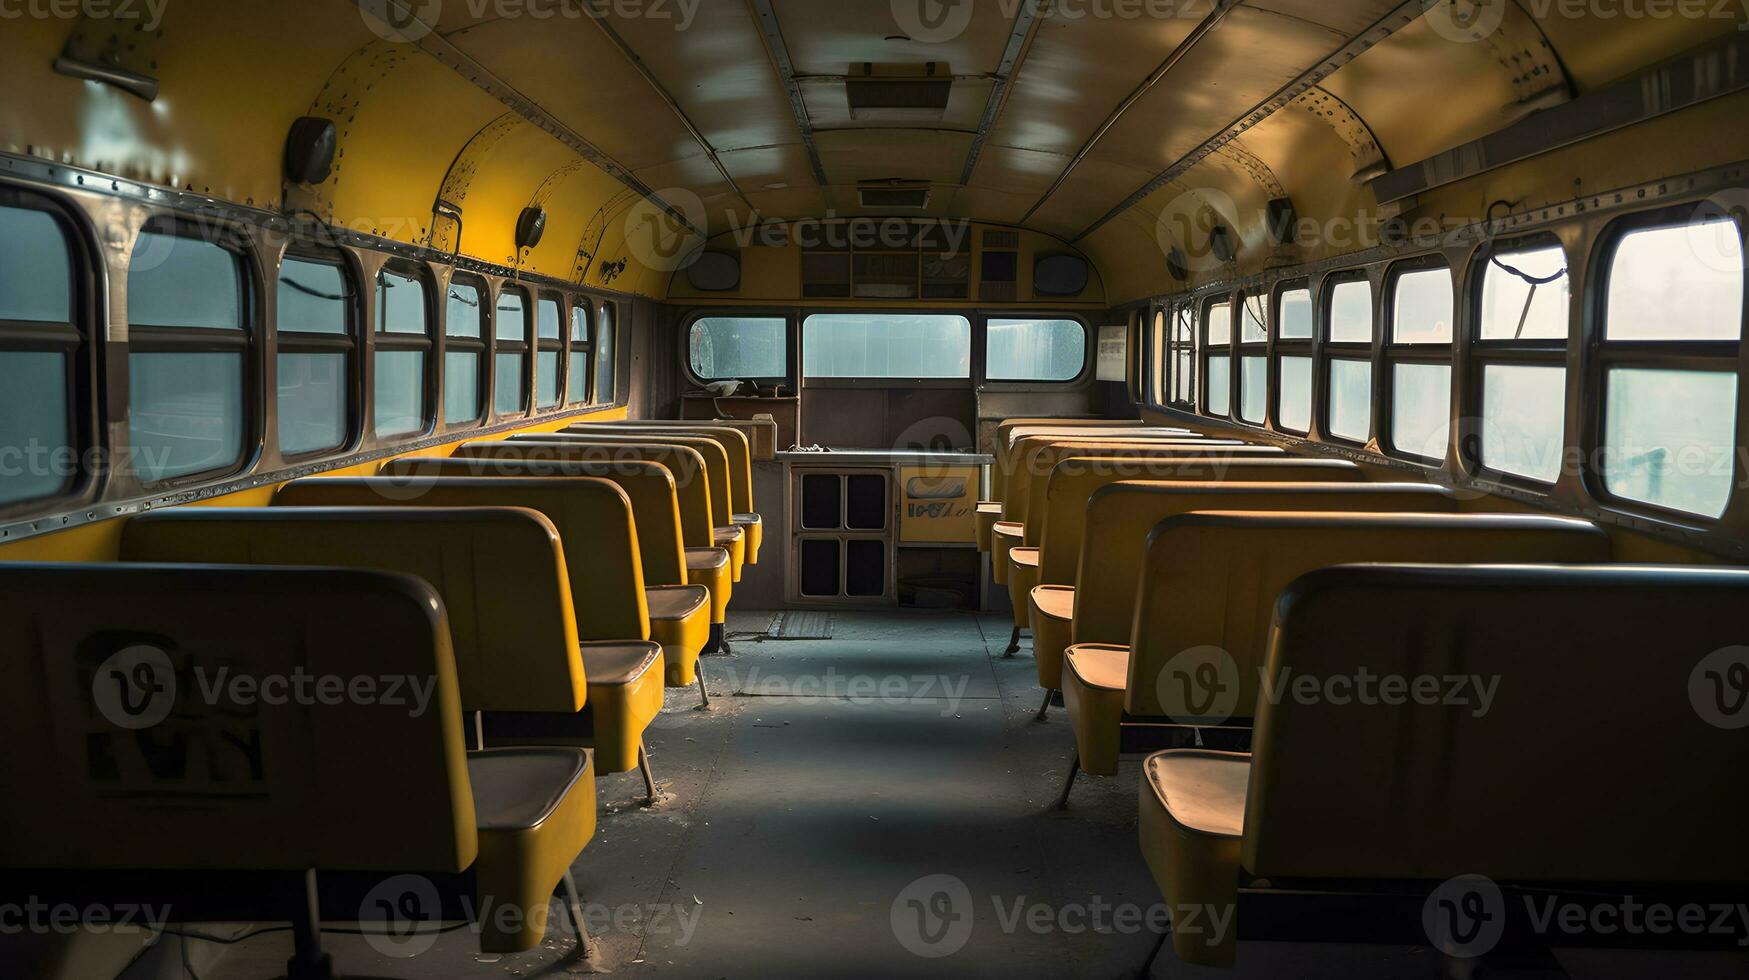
x=938 y=502
x=1113 y=347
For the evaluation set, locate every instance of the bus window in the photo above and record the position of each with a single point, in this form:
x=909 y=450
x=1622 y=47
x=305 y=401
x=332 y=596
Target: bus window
x=1217 y=328
x=317 y=328
x=606 y=367
x=403 y=348
x=1034 y=350
x=1423 y=302
x=888 y=345
x=464 y=351
x=510 y=384
x=1348 y=331
x=1526 y=295
x=39 y=343
x=723 y=348
x=1293 y=364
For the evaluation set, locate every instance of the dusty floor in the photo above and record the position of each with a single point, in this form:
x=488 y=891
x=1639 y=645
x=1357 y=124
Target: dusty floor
x=816 y=810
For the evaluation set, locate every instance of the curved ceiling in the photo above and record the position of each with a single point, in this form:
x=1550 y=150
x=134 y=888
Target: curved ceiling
x=1115 y=125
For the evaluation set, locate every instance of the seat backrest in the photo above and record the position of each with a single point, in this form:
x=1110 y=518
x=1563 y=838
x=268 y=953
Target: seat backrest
x=593 y=517
x=716 y=462
x=655 y=502
x=1006 y=434
x=1035 y=455
x=183 y=717
x=1043 y=464
x=1060 y=508
x=1211 y=579
x=733 y=441
x=499 y=570
x=1118 y=518
x=1603 y=755
x=685 y=465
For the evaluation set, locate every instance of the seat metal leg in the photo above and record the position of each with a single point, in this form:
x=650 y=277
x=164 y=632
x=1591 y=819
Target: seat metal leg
x=648 y=774
x=1044 y=708
x=574 y=908
x=704 y=696
x=1013 y=643
x=479 y=729
x=1159 y=944
x=308 y=961
x=1069 y=784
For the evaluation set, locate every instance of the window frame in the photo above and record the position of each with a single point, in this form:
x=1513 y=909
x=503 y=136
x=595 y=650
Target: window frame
x=580 y=354
x=1207 y=353
x=550 y=345
x=74 y=339
x=245 y=341
x=1713 y=356
x=981 y=350
x=462 y=344
x=1183 y=340
x=1395 y=352
x=406 y=342
x=1331 y=351
x=1281 y=348
x=1243 y=349
x=1159 y=322
x=525 y=347
x=350 y=343
x=1535 y=352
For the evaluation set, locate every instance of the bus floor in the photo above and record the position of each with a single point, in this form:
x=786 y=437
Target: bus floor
x=876 y=804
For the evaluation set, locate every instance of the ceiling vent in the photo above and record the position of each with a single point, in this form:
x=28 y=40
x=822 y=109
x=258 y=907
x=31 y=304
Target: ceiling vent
x=897 y=93
x=886 y=195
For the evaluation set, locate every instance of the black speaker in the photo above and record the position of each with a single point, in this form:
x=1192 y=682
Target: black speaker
x=1282 y=218
x=715 y=272
x=1059 y=275
x=1176 y=265
x=1221 y=243
x=530 y=226
x=309 y=150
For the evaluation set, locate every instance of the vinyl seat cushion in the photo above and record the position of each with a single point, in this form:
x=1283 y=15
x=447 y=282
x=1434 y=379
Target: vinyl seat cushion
x=1191 y=820
x=1022 y=577
x=1094 y=676
x=535 y=810
x=680 y=620
x=710 y=568
x=1051 y=613
x=754 y=525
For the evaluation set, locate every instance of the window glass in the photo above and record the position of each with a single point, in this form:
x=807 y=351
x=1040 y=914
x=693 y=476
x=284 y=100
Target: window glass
x=1220 y=324
x=1252 y=328
x=512 y=316
x=577 y=388
x=461 y=386
x=738 y=347
x=185 y=413
x=1034 y=350
x=1220 y=385
x=174 y=281
x=400 y=303
x=1296 y=314
x=1669 y=437
x=37 y=458
x=1421 y=409
x=312 y=402
x=1523 y=413
x=463 y=311
x=887 y=345
x=1350 y=399
x=580 y=324
x=1184 y=346
x=605 y=366
x=1351 y=312
x=1253 y=389
x=400 y=395
x=1677 y=283
x=38 y=281
x=1422 y=304
x=551 y=320
x=1516 y=309
x=314 y=296
x=546 y=378
x=509 y=398
x=1294 y=412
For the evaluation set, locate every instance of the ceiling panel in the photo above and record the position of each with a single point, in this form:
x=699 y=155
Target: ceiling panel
x=856 y=155
x=829 y=106
x=826 y=37
x=1346 y=17
x=1095 y=187
x=574 y=72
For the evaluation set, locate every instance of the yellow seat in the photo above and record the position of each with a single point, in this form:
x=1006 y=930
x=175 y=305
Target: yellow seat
x=1537 y=785
x=197 y=790
x=1004 y=535
x=1022 y=576
x=599 y=539
x=680 y=624
x=691 y=485
x=1208 y=586
x=987 y=514
x=717 y=470
x=735 y=445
